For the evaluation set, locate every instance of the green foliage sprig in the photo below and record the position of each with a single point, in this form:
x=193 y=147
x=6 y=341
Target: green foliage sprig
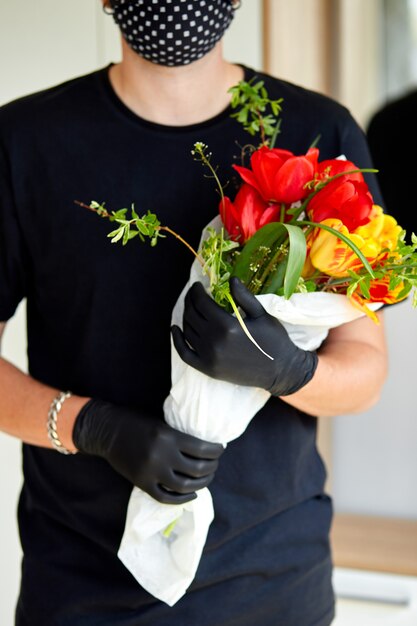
x=253 y=102
x=148 y=225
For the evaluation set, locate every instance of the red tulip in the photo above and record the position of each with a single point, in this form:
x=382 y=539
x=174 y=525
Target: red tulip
x=345 y=199
x=278 y=175
x=331 y=167
x=247 y=214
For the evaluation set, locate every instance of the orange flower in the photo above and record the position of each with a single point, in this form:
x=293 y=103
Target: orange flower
x=379 y=292
x=360 y=303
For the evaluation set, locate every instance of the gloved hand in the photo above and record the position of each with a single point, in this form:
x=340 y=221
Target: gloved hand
x=214 y=343
x=169 y=465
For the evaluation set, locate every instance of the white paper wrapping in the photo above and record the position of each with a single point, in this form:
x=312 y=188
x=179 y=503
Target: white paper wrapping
x=206 y=408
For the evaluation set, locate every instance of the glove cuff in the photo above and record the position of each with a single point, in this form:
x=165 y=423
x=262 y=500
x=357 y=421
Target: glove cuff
x=299 y=373
x=87 y=425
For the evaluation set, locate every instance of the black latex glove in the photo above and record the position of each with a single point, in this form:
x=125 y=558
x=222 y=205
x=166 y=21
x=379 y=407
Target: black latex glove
x=167 y=464
x=213 y=342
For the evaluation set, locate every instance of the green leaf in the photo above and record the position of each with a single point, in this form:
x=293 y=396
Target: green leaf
x=133 y=233
x=242 y=116
x=352 y=288
x=364 y=287
x=269 y=236
x=116 y=234
x=310 y=286
x=275 y=281
x=288 y=271
x=134 y=214
x=394 y=282
x=142 y=227
x=404 y=292
x=120 y=214
x=296 y=258
x=126 y=235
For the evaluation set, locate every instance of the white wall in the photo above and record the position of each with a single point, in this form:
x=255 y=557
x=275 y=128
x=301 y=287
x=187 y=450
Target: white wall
x=357 y=77
x=43 y=43
x=375 y=453
x=374 y=467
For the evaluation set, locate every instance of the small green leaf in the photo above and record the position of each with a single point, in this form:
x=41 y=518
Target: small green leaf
x=120 y=214
x=126 y=234
x=352 y=288
x=116 y=234
x=404 y=292
x=142 y=227
x=134 y=214
x=364 y=287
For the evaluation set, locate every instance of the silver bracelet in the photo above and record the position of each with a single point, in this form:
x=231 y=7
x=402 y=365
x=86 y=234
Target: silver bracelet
x=51 y=424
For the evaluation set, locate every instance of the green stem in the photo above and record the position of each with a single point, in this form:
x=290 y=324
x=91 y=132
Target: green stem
x=261 y=127
x=168 y=530
x=315 y=142
x=244 y=327
x=273 y=260
x=185 y=243
x=403 y=265
x=276 y=133
x=207 y=163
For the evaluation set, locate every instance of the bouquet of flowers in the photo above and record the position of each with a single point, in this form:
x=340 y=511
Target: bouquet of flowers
x=305 y=237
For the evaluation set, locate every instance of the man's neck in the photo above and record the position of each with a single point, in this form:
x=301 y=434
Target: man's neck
x=175 y=96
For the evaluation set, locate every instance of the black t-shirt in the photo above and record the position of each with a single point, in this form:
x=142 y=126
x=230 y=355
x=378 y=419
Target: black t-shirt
x=392 y=136
x=98 y=324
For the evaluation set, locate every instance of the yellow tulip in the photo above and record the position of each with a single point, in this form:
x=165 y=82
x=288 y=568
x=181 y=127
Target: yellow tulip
x=382 y=228
x=334 y=257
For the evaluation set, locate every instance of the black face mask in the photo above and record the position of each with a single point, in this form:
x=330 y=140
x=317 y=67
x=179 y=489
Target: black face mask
x=172 y=32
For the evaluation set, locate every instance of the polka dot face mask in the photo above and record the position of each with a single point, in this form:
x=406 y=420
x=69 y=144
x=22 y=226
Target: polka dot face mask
x=172 y=32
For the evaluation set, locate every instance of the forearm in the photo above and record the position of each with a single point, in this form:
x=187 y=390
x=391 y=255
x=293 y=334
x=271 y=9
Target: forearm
x=349 y=377
x=24 y=405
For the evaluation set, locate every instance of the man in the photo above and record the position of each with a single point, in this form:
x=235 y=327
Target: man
x=98 y=325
